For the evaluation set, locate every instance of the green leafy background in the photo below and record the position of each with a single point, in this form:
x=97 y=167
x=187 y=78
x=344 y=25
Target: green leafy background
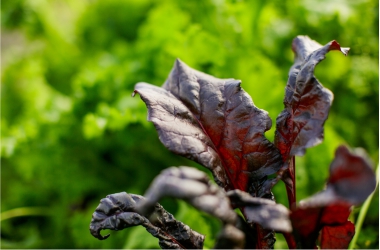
x=71 y=133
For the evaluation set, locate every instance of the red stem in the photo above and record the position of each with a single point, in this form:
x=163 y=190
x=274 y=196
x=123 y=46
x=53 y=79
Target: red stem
x=292 y=170
x=291 y=192
x=294 y=180
x=290 y=240
x=291 y=187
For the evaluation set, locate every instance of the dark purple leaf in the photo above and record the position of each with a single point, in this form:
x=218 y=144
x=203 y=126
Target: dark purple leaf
x=307 y=102
x=117 y=212
x=213 y=122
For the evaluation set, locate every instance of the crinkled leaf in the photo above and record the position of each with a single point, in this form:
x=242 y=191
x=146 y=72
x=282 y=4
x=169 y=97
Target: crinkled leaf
x=351 y=181
x=117 y=212
x=337 y=237
x=307 y=102
x=213 y=122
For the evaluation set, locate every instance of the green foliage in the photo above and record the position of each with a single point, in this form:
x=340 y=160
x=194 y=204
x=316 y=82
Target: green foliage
x=71 y=133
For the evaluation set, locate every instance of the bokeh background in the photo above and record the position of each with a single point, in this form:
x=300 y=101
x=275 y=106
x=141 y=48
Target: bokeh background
x=71 y=133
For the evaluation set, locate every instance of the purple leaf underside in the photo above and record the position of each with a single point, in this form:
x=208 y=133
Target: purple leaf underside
x=213 y=122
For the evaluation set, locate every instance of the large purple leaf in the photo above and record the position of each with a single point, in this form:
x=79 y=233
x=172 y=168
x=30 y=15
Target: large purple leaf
x=307 y=102
x=213 y=122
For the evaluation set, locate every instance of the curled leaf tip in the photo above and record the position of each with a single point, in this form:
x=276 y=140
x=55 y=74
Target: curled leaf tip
x=134 y=93
x=96 y=233
x=336 y=46
x=345 y=50
x=103 y=237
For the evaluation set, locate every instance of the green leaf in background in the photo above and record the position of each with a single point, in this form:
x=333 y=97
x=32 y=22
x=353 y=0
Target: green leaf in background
x=72 y=134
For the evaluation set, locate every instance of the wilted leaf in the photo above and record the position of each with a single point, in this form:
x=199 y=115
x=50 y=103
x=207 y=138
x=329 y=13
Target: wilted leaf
x=213 y=122
x=116 y=212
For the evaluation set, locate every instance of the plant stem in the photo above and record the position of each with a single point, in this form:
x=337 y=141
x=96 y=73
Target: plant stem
x=290 y=240
x=290 y=183
x=24 y=211
x=292 y=171
x=363 y=213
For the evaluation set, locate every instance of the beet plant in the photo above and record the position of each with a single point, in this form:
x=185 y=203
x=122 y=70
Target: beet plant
x=215 y=123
